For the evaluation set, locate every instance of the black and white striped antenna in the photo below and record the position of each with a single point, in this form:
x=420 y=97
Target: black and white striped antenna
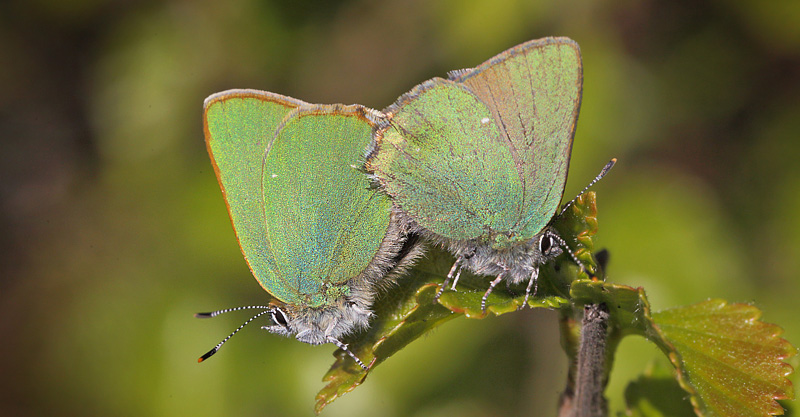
x=599 y=176
x=211 y=352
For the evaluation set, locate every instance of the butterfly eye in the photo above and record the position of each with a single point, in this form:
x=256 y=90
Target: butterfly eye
x=279 y=317
x=546 y=243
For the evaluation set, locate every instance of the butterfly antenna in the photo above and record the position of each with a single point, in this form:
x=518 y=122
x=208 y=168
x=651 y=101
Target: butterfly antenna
x=216 y=348
x=228 y=310
x=599 y=176
x=563 y=245
x=343 y=347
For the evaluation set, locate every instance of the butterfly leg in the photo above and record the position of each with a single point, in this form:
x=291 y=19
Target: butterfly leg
x=489 y=291
x=455 y=280
x=534 y=282
x=343 y=347
x=455 y=270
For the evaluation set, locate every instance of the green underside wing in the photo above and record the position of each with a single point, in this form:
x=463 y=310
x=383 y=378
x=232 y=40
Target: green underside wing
x=306 y=217
x=487 y=151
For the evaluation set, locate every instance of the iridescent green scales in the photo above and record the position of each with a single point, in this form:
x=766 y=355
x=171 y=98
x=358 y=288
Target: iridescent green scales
x=479 y=161
x=314 y=231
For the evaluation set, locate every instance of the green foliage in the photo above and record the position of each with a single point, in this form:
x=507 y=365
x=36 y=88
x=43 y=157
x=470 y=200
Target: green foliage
x=726 y=359
x=731 y=363
x=115 y=232
x=407 y=312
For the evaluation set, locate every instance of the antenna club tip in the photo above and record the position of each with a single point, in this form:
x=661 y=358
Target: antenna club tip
x=202 y=315
x=207 y=355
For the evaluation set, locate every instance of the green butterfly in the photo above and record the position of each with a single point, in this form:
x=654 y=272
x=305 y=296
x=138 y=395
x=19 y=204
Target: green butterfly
x=315 y=232
x=478 y=161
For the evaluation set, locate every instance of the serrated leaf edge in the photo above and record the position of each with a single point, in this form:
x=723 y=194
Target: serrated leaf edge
x=656 y=336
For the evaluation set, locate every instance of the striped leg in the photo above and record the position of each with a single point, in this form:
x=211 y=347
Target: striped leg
x=455 y=270
x=343 y=347
x=489 y=291
x=534 y=282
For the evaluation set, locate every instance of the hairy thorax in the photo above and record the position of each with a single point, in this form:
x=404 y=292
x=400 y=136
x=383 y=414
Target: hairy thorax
x=318 y=325
x=518 y=259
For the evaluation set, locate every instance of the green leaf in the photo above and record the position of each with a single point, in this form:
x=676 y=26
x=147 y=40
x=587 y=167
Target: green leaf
x=578 y=226
x=727 y=360
x=731 y=363
x=408 y=311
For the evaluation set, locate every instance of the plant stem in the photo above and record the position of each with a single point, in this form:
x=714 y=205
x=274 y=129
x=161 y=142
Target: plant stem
x=586 y=382
x=590 y=382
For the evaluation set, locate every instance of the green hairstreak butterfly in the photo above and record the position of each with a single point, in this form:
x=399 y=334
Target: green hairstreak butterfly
x=314 y=231
x=478 y=162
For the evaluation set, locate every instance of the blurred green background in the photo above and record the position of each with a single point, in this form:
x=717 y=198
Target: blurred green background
x=114 y=230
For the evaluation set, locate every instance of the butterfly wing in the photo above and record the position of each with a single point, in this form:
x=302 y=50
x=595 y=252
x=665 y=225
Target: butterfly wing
x=239 y=126
x=442 y=160
x=324 y=219
x=534 y=93
x=487 y=151
x=302 y=214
